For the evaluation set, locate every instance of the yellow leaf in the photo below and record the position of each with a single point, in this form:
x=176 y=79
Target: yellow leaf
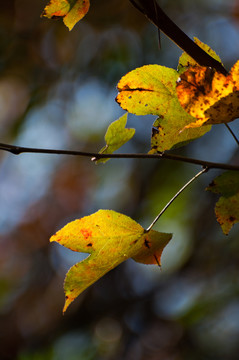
x=110 y=238
x=70 y=10
x=151 y=89
x=210 y=97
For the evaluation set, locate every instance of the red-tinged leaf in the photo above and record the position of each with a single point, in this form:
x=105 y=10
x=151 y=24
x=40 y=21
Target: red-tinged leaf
x=70 y=10
x=110 y=238
x=227 y=207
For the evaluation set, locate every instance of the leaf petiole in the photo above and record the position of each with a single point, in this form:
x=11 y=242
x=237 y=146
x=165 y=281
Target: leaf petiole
x=204 y=170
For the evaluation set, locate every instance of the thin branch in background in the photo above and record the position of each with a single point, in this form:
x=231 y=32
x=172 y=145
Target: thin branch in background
x=232 y=133
x=17 y=150
x=159 y=35
x=205 y=169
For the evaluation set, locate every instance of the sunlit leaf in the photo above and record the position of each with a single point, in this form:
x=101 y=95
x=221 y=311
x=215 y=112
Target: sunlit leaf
x=151 y=89
x=210 y=97
x=110 y=238
x=70 y=10
x=227 y=207
x=116 y=136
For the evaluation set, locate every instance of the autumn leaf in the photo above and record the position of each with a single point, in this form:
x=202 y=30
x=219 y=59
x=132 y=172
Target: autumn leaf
x=151 y=89
x=116 y=136
x=227 y=207
x=110 y=238
x=70 y=10
x=210 y=97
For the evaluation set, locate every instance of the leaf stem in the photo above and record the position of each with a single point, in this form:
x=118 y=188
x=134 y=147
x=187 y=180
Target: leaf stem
x=232 y=133
x=205 y=169
x=17 y=150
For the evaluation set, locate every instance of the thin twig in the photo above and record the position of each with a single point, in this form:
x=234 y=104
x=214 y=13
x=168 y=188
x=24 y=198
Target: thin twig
x=17 y=150
x=205 y=169
x=232 y=133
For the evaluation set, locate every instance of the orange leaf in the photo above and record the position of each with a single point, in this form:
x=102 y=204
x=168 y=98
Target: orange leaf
x=210 y=97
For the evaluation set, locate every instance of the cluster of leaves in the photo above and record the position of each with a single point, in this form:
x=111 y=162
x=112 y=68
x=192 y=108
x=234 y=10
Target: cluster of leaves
x=187 y=102
x=70 y=10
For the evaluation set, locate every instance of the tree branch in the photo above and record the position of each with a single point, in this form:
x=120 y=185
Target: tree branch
x=157 y=16
x=17 y=150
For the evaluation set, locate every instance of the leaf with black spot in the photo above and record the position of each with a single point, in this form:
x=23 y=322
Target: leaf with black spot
x=151 y=89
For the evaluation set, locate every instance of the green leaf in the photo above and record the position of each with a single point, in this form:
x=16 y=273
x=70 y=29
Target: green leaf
x=110 y=238
x=227 y=207
x=70 y=10
x=151 y=89
x=185 y=61
x=116 y=136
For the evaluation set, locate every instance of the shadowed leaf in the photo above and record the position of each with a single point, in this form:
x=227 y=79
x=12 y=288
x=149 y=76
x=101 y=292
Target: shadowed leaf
x=227 y=207
x=185 y=61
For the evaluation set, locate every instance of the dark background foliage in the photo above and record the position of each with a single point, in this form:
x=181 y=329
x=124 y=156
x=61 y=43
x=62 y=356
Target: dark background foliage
x=57 y=90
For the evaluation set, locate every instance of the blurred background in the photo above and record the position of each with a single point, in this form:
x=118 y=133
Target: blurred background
x=57 y=90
